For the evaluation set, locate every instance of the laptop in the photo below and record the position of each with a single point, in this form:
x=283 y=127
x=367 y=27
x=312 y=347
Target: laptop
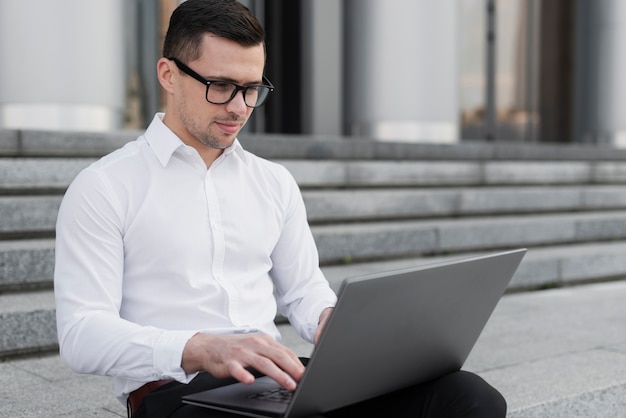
x=388 y=331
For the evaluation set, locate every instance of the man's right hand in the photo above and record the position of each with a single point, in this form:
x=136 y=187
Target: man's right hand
x=229 y=355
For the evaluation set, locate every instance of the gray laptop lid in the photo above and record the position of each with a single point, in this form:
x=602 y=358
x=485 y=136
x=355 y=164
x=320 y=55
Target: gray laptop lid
x=388 y=331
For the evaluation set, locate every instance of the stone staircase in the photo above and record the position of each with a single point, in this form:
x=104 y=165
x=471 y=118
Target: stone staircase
x=372 y=206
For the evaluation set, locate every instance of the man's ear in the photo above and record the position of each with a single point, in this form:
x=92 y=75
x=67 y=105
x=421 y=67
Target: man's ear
x=165 y=73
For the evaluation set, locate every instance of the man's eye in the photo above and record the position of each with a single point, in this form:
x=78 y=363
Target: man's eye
x=221 y=86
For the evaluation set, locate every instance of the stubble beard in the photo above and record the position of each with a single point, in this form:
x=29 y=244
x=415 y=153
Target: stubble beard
x=204 y=135
x=211 y=141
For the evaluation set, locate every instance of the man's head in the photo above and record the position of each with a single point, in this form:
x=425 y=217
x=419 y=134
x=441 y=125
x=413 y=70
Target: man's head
x=213 y=63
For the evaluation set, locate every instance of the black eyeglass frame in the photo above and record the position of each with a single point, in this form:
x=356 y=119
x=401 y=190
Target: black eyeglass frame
x=207 y=82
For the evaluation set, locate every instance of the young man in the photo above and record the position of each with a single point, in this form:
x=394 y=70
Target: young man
x=175 y=252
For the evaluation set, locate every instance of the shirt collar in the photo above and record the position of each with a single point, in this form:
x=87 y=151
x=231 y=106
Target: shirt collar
x=165 y=143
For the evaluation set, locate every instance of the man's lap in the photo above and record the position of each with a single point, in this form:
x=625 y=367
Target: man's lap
x=456 y=394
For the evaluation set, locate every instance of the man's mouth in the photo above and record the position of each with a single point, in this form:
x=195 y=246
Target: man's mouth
x=229 y=127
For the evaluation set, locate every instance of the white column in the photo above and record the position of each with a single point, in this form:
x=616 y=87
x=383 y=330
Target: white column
x=63 y=64
x=611 y=78
x=322 y=101
x=600 y=103
x=402 y=69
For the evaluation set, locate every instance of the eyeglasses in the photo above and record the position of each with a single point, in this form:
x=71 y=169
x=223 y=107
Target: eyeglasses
x=221 y=92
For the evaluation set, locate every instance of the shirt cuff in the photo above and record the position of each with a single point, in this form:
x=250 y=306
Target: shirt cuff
x=168 y=355
x=309 y=329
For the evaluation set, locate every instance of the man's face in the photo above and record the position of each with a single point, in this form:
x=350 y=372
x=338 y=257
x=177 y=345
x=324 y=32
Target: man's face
x=202 y=124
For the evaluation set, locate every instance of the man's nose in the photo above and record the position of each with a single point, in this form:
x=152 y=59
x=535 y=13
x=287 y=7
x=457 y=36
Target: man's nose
x=237 y=104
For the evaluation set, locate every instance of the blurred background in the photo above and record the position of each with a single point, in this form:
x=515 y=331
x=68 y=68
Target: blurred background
x=403 y=70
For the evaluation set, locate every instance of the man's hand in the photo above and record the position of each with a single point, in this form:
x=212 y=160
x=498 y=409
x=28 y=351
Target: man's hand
x=322 y=324
x=228 y=356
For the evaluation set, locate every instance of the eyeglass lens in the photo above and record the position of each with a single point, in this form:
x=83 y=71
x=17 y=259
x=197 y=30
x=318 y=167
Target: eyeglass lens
x=219 y=92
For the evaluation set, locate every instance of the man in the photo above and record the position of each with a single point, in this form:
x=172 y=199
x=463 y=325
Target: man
x=175 y=252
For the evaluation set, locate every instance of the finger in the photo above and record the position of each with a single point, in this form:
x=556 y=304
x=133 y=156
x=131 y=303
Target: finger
x=240 y=373
x=289 y=362
x=271 y=368
x=280 y=355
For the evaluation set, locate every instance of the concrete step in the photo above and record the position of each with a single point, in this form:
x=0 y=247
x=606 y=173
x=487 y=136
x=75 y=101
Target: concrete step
x=37 y=143
x=452 y=173
x=325 y=206
x=37 y=213
x=30 y=143
x=542 y=267
x=27 y=323
x=39 y=174
x=27 y=215
x=339 y=243
x=26 y=264
x=56 y=173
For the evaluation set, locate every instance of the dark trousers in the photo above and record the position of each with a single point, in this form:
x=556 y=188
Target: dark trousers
x=458 y=394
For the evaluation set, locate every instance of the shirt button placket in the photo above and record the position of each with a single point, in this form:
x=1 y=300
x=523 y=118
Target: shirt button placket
x=219 y=244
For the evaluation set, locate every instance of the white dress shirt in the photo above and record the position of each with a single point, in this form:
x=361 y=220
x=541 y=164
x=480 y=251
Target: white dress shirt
x=153 y=247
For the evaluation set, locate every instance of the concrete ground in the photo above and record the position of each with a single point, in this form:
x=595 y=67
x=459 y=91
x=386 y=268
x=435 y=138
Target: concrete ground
x=552 y=353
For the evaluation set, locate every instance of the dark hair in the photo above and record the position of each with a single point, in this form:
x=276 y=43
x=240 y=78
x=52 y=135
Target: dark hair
x=224 y=18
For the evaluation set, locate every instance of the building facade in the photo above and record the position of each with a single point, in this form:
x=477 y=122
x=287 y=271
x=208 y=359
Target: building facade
x=393 y=70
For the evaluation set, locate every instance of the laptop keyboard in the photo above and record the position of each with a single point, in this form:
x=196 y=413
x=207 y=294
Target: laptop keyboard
x=280 y=395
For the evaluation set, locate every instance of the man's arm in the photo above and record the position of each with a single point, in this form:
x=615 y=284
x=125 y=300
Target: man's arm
x=93 y=338
x=302 y=291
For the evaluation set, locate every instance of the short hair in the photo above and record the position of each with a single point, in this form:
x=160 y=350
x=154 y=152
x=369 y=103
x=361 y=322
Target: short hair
x=227 y=19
